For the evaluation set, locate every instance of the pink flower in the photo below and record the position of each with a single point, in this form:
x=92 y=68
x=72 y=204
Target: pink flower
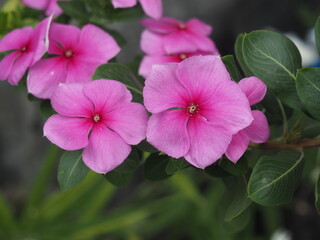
x=196 y=109
x=27 y=46
x=50 y=6
x=152 y=44
x=99 y=117
x=79 y=53
x=179 y=37
x=152 y=8
x=258 y=130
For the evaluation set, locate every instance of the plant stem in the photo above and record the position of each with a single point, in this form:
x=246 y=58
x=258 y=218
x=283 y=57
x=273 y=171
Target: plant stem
x=296 y=146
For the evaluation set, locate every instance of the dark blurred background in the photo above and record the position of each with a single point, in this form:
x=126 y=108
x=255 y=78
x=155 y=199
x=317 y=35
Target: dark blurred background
x=22 y=145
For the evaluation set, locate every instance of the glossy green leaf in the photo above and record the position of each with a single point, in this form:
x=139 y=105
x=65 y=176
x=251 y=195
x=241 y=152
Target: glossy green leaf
x=317 y=34
x=215 y=170
x=273 y=58
x=71 y=169
x=232 y=68
x=176 y=165
x=308 y=86
x=155 y=167
x=75 y=9
x=239 y=55
x=237 y=169
x=121 y=73
x=121 y=175
x=275 y=178
x=317 y=194
x=240 y=201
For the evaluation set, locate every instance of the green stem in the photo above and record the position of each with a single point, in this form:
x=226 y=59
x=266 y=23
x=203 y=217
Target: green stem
x=297 y=146
x=285 y=121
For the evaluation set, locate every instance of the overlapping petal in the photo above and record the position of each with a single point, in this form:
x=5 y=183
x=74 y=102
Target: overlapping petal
x=258 y=131
x=124 y=3
x=20 y=67
x=151 y=43
x=162 y=89
x=148 y=61
x=16 y=39
x=201 y=75
x=69 y=100
x=105 y=151
x=46 y=75
x=68 y=133
x=152 y=8
x=228 y=107
x=167 y=131
x=177 y=42
x=107 y=95
x=198 y=27
x=238 y=146
x=208 y=142
x=36 y=4
x=129 y=120
x=6 y=65
x=164 y=25
x=253 y=88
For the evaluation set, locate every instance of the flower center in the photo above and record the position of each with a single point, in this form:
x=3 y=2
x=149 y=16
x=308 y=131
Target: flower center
x=182 y=26
x=24 y=49
x=183 y=56
x=68 y=53
x=96 y=118
x=192 y=108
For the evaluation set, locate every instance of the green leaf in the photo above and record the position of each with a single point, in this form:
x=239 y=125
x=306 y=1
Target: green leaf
x=240 y=201
x=317 y=34
x=317 y=194
x=121 y=175
x=75 y=9
x=273 y=58
x=46 y=109
x=121 y=73
x=239 y=55
x=232 y=68
x=275 y=178
x=237 y=169
x=155 y=167
x=146 y=147
x=176 y=165
x=308 y=86
x=71 y=169
x=215 y=170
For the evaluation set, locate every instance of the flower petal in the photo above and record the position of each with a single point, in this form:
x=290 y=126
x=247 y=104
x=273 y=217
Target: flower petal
x=148 y=61
x=152 y=8
x=167 y=131
x=177 y=42
x=106 y=95
x=69 y=100
x=62 y=37
x=162 y=89
x=68 y=133
x=238 y=146
x=198 y=27
x=258 y=131
x=6 y=65
x=106 y=150
x=164 y=25
x=152 y=43
x=45 y=76
x=129 y=120
x=79 y=70
x=253 y=88
x=208 y=142
x=16 y=39
x=228 y=107
x=96 y=46
x=36 y=4
x=54 y=8
x=200 y=75
x=123 y=3
x=202 y=43
x=22 y=63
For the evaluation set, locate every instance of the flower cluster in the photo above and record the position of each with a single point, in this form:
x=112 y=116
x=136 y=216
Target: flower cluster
x=197 y=111
x=169 y=40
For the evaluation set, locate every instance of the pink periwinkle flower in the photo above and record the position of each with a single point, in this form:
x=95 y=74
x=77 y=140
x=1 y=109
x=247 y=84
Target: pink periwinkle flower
x=99 y=117
x=196 y=109
x=78 y=54
x=49 y=6
x=153 y=45
x=258 y=130
x=180 y=37
x=27 y=46
x=152 y=8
